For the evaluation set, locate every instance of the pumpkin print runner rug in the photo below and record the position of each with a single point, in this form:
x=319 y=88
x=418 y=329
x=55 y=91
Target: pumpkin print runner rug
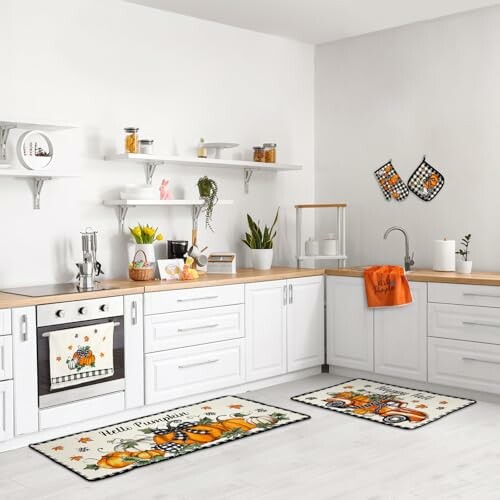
x=383 y=403
x=118 y=448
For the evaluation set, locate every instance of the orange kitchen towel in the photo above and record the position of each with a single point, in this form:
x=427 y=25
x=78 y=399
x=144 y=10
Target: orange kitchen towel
x=387 y=286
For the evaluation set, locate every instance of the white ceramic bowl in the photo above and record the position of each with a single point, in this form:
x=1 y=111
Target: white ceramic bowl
x=139 y=192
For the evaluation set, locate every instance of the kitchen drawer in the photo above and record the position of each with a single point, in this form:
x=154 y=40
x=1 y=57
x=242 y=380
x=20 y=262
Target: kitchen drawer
x=5 y=322
x=81 y=410
x=475 y=324
x=5 y=357
x=193 y=298
x=189 y=328
x=467 y=295
x=193 y=370
x=468 y=365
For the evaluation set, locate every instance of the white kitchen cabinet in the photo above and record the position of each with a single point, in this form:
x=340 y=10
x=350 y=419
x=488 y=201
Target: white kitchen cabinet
x=400 y=340
x=349 y=324
x=5 y=322
x=25 y=370
x=265 y=322
x=134 y=350
x=305 y=323
x=6 y=411
x=5 y=357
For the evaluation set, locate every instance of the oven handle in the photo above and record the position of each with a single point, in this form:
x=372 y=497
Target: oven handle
x=46 y=334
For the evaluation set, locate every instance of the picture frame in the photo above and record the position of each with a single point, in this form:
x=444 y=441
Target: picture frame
x=35 y=150
x=170 y=269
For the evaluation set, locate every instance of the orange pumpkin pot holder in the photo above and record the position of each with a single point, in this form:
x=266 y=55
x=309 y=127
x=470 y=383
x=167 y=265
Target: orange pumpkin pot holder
x=393 y=187
x=386 y=286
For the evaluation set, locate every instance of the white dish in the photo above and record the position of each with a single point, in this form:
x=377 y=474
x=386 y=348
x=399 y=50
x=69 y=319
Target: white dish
x=219 y=146
x=139 y=192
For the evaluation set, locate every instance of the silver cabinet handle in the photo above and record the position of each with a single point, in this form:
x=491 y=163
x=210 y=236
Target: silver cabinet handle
x=477 y=323
x=481 y=360
x=198 y=298
x=284 y=295
x=201 y=327
x=477 y=294
x=290 y=294
x=208 y=362
x=24 y=328
x=134 y=312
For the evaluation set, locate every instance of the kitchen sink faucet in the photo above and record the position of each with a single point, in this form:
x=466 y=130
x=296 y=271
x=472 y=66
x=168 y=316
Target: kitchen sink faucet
x=408 y=260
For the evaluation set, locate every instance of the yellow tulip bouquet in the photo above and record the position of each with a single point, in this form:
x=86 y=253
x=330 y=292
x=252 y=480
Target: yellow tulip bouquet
x=145 y=234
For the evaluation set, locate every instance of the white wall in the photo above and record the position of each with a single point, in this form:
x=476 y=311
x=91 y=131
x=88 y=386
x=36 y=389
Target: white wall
x=430 y=88
x=106 y=65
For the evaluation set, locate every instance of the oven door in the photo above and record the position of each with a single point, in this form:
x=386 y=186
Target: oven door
x=84 y=390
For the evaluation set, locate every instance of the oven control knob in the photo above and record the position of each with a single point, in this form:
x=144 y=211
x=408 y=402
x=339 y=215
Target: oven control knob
x=82 y=310
x=104 y=308
x=60 y=313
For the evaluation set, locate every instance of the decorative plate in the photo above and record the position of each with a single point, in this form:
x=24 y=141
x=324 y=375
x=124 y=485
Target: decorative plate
x=35 y=150
x=426 y=182
x=393 y=187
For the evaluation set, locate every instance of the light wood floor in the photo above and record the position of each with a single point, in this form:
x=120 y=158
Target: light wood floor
x=331 y=456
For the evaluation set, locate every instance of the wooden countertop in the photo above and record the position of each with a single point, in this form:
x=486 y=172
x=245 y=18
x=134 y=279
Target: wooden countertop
x=128 y=287
x=429 y=276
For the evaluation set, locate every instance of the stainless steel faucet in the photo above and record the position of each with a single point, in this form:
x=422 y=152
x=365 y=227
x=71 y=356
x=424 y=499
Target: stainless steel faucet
x=408 y=260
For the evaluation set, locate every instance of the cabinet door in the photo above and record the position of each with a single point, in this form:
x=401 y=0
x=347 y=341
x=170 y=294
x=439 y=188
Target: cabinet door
x=6 y=411
x=265 y=329
x=305 y=323
x=25 y=370
x=5 y=357
x=401 y=337
x=349 y=324
x=134 y=350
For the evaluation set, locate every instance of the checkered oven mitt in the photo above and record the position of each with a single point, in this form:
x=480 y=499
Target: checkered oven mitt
x=391 y=183
x=426 y=181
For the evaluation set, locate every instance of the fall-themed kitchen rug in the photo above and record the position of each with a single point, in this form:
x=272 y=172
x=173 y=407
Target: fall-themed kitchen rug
x=383 y=403
x=118 y=448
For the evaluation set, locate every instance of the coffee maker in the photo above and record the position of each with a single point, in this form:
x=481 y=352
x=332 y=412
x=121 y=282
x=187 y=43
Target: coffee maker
x=90 y=268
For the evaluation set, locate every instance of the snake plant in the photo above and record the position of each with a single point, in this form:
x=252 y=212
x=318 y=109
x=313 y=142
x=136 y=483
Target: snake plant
x=256 y=238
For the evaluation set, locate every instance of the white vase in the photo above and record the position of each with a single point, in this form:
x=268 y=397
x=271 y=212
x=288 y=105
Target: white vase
x=148 y=249
x=262 y=258
x=464 y=266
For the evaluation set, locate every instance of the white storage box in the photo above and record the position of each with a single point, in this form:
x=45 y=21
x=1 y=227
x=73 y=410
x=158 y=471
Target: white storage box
x=222 y=263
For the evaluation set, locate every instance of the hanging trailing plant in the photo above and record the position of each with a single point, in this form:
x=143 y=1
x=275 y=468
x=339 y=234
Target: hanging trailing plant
x=208 y=191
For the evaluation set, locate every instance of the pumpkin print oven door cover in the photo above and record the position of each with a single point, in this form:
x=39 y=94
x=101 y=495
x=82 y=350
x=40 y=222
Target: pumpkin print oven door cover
x=391 y=183
x=426 y=182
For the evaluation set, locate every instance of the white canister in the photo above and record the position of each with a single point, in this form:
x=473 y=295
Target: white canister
x=312 y=247
x=443 y=255
x=329 y=246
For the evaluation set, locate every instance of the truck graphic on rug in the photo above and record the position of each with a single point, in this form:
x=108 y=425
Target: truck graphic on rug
x=387 y=407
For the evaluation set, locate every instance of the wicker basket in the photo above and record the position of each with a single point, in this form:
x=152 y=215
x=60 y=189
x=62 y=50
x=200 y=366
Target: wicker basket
x=146 y=273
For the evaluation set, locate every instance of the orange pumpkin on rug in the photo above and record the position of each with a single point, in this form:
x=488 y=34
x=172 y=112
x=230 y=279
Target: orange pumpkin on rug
x=115 y=460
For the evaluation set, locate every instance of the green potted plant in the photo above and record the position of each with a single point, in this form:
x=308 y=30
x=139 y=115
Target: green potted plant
x=260 y=242
x=464 y=264
x=208 y=192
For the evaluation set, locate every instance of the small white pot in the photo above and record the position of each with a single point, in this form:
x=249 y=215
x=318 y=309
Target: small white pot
x=262 y=258
x=148 y=249
x=464 y=266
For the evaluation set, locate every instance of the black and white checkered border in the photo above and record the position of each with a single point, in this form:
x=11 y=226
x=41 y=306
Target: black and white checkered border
x=77 y=376
x=203 y=447
x=467 y=402
x=419 y=176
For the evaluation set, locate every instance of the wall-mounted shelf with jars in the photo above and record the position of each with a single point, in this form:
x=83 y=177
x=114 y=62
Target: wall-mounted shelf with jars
x=150 y=163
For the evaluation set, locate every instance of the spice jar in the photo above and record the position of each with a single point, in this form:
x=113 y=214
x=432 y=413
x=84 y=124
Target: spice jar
x=131 y=140
x=258 y=153
x=270 y=152
x=146 y=146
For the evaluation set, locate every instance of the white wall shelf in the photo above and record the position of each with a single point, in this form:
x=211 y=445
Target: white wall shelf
x=152 y=161
x=341 y=258
x=124 y=205
x=39 y=177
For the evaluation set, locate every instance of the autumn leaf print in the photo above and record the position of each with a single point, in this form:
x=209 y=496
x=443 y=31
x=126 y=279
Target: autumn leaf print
x=76 y=458
x=84 y=440
x=235 y=407
x=58 y=448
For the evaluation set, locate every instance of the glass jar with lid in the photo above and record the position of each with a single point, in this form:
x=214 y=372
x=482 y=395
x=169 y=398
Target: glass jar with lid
x=270 y=152
x=131 y=140
x=258 y=153
x=146 y=146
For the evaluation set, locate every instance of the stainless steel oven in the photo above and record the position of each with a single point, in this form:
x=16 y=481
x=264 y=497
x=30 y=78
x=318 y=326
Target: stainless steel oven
x=65 y=317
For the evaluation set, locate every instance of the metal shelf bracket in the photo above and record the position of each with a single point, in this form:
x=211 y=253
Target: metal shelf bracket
x=38 y=183
x=150 y=168
x=122 y=214
x=247 y=172
x=4 y=135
